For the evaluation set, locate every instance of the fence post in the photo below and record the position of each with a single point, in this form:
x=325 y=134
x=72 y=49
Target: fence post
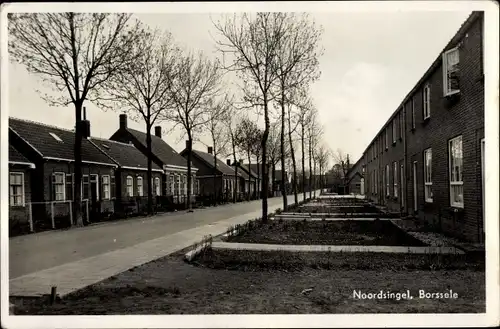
x=52 y=214
x=70 y=213
x=30 y=216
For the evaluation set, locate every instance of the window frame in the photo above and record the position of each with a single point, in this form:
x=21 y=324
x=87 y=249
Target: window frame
x=426 y=100
x=157 y=185
x=140 y=192
x=446 y=91
x=452 y=182
x=63 y=184
x=413 y=121
x=23 y=201
x=129 y=189
x=387 y=181
x=394 y=131
x=395 y=179
x=104 y=185
x=428 y=177
x=401 y=123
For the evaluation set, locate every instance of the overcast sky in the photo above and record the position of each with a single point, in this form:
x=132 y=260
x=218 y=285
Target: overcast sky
x=371 y=61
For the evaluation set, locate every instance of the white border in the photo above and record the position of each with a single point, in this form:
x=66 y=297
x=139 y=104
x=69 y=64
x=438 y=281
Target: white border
x=204 y=321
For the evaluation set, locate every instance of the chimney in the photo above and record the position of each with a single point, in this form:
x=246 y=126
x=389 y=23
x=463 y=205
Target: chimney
x=123 y=121
x=85 y=124
x=209 y=150
x=158 y=131
x=228 y=161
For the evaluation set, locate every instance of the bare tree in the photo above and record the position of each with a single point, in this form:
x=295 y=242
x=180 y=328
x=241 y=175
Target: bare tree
x=342 y=159
x=273 y=148
x=74 y=53
x=198 y=81
x=142 y=88
x=296 y=64
x=231 y=122
x=219 y=109
x=323 y=155
x=292 y=127
x=252 y=40
x=247 y=135
x=313 y=132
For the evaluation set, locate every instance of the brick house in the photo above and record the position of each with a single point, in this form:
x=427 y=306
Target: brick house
x=20 y=170
x=427 y=158
x=224 y=183
x=251 y=184
x=355 y=178
x=130 y=180
x=50 y=149
x=174 y=181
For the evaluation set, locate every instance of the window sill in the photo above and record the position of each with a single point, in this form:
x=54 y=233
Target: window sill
x=429 y=201
x=17 y=206
x=456 y=209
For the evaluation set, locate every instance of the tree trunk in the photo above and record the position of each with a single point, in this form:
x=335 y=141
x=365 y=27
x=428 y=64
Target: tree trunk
x=273 y=174
x=257 y=183
x=249 y=171
x=310 y=166
x=294 y=163
x=235 y=170
x=150 y=164
x=282 y=148
x=77 y=202
x=215 y=175
x=303 y=161
x=264 y=160
x=315 y=187
x=190 y=150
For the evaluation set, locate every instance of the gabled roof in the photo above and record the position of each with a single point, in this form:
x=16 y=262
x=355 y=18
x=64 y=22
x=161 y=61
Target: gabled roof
x=55 y=143
x=125 y=155
x=15 y=157
x=164 y=152
x=248 y=170
x=355 y=174
x=209 y=160
x=244 y=174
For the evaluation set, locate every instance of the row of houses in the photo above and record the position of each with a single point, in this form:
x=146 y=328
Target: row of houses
x=114 y=175
x=428 y=159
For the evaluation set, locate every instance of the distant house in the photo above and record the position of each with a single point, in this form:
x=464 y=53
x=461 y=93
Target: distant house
x=130 y=179
x=213 y=180
x=51 y=150
x=251 y=186
x=164 y=156
x=20 y=170
x=355 y=178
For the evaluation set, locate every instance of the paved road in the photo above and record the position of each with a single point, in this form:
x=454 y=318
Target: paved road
x=36 y=252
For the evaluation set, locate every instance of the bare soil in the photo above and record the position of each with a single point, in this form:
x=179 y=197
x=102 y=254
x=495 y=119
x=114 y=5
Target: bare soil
x=368 y=233
x=171 y=286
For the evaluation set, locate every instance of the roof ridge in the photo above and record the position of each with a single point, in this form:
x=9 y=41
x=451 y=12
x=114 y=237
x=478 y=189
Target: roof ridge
x=112 y=141
x=41 y=124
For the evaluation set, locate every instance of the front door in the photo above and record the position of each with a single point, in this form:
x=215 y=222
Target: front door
x=415 y=199
x=94 y=197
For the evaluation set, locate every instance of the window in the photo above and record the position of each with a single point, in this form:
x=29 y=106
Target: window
x=387 y=183
x=184 y=185
x=386 y=138
x=401 y=123
x=177 y=189
x=375 y=181
x=140 y=190
x=413 y=113
x=58 y=186
x=105 y=187
x=456 y=179
x=57 y=138
x=94 y=179
x=427 y=101
x=70 y=187
x=85 y=187
x=172 y=184
x=130 y=186
x=394 y=131
x=451 y=61
x=402 y=183
x=428 y=175
x=197 y=187
x=112 y=186
x=157 y=186
x=16 y=189
x=395 y=177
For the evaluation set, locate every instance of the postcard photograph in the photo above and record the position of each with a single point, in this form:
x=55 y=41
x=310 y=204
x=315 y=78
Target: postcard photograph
x=259 y=164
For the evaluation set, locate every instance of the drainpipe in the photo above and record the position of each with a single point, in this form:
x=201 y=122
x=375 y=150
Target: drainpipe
x=405 y=201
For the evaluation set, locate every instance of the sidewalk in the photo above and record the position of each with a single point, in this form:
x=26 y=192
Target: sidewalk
x=73 y=276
